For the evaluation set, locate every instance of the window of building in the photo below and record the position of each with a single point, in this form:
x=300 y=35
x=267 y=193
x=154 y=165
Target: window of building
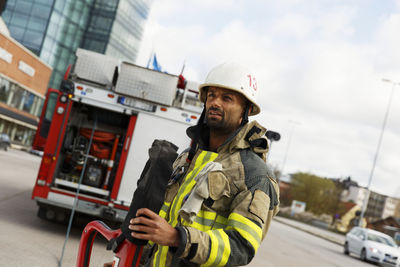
x=17 y=97
x=17 y=32
x=5 y=127
x=4 y=90
x=28 y=102
x=24 y=6
x=41 y=11
x=33 y=38
x=48 y=3
x=37 y=24
x=20 y=20
x=19 y=135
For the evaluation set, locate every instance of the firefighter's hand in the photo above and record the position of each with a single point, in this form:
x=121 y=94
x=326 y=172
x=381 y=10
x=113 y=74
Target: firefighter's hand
x=154 y=227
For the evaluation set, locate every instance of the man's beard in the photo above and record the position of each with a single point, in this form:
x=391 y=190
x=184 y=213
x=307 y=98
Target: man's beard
x=218 y=125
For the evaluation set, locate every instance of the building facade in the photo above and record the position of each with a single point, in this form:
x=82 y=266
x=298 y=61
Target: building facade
x=23 y=84
x=54 y=29
x=390 y=207
x=354 y=194
x=375 y=207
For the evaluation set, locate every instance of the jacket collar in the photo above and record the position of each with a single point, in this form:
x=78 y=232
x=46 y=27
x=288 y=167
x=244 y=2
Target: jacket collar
x=251 y=135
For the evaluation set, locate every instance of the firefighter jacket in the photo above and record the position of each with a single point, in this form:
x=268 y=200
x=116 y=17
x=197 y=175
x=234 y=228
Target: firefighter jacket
x=236 y=211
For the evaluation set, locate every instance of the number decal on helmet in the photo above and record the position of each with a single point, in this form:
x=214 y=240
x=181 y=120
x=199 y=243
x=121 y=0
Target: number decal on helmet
x=252 y=82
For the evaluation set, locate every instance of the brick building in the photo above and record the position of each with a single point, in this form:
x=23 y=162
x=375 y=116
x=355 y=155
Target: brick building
x=23 y=84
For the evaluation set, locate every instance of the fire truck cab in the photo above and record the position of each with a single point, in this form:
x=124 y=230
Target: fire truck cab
x=97 y=129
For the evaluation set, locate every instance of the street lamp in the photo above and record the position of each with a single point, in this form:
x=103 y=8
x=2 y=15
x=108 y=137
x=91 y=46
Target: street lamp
x=294 y=123
x=272 y=136
x=364 y=207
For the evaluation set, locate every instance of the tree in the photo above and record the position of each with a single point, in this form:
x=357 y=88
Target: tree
x=320 y=194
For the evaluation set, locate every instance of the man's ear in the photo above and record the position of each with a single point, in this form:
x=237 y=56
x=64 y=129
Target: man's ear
x=250 y=109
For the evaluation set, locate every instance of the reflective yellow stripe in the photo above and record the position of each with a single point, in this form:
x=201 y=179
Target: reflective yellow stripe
x=220 y=222
x=220 y=248
x=185 y=188
x=214 y=249
x=227 y=248
x=209 y=215
x=201 y=225
x=159 y=260
x=203 y=158
x=164 y=210
x=203 y=221
x=246 y=228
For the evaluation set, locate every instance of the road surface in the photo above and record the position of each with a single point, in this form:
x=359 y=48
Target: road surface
x=26 y=240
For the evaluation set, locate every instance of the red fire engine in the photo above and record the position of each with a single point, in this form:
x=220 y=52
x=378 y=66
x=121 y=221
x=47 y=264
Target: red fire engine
x=97 y=129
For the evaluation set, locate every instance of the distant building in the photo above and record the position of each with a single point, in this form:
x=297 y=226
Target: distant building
x=54 y=29
x=389 y=226
x=397 y=210
x=284 y=193
x=23 y=84
x=354 y=194
x=375 y=207
x=390 y=207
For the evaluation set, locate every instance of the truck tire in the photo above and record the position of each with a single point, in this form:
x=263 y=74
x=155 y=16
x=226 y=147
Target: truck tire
x=42 y=213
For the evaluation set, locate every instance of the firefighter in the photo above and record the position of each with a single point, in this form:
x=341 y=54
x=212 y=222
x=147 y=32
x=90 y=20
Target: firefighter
x=222 y=196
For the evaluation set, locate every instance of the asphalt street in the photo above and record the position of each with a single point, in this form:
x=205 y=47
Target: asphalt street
x=26 y=240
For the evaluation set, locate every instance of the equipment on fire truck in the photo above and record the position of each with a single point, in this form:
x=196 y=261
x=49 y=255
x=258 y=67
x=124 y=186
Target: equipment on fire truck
x=133 y=106
x=148 y=194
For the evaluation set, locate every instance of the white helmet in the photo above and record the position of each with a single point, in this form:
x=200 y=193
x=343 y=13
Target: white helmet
x=235 y=77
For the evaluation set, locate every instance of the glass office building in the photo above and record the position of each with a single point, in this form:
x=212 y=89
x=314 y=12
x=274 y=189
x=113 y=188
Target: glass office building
x=54 y=29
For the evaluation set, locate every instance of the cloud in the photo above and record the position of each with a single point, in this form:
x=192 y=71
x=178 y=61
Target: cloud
x=316 y=64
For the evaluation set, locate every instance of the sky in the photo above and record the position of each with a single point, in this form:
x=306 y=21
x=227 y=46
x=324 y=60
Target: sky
x=319 y=66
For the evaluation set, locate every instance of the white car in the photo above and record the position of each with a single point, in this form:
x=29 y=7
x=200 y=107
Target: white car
x=372 y=245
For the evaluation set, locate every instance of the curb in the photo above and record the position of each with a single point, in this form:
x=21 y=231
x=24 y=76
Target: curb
x=333 y=240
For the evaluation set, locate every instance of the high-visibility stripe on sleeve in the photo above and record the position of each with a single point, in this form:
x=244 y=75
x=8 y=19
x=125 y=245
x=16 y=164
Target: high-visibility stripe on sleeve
x=164 y=209
x=220 y=222
x=213 y=251
x=220 y=248
x=246 y=228
x=203 y=221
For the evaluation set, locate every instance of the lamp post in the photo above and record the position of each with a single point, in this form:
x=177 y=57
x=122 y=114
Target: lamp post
x=272 y=136
x=364 y=207
x=294 y=123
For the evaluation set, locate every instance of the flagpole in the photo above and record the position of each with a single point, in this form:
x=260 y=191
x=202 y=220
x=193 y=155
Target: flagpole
x=151 y=55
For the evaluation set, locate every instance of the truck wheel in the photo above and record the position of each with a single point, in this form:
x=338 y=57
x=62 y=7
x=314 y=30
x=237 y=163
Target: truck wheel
x=42 y=213
x=61 y=216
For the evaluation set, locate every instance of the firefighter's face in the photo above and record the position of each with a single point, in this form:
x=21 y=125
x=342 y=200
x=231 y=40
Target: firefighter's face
x=224 y=109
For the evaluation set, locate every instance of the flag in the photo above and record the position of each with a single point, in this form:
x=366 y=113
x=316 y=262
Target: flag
x=156 y=66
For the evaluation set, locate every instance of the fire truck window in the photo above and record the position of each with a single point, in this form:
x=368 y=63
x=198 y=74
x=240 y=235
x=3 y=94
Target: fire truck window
x=51 y=104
